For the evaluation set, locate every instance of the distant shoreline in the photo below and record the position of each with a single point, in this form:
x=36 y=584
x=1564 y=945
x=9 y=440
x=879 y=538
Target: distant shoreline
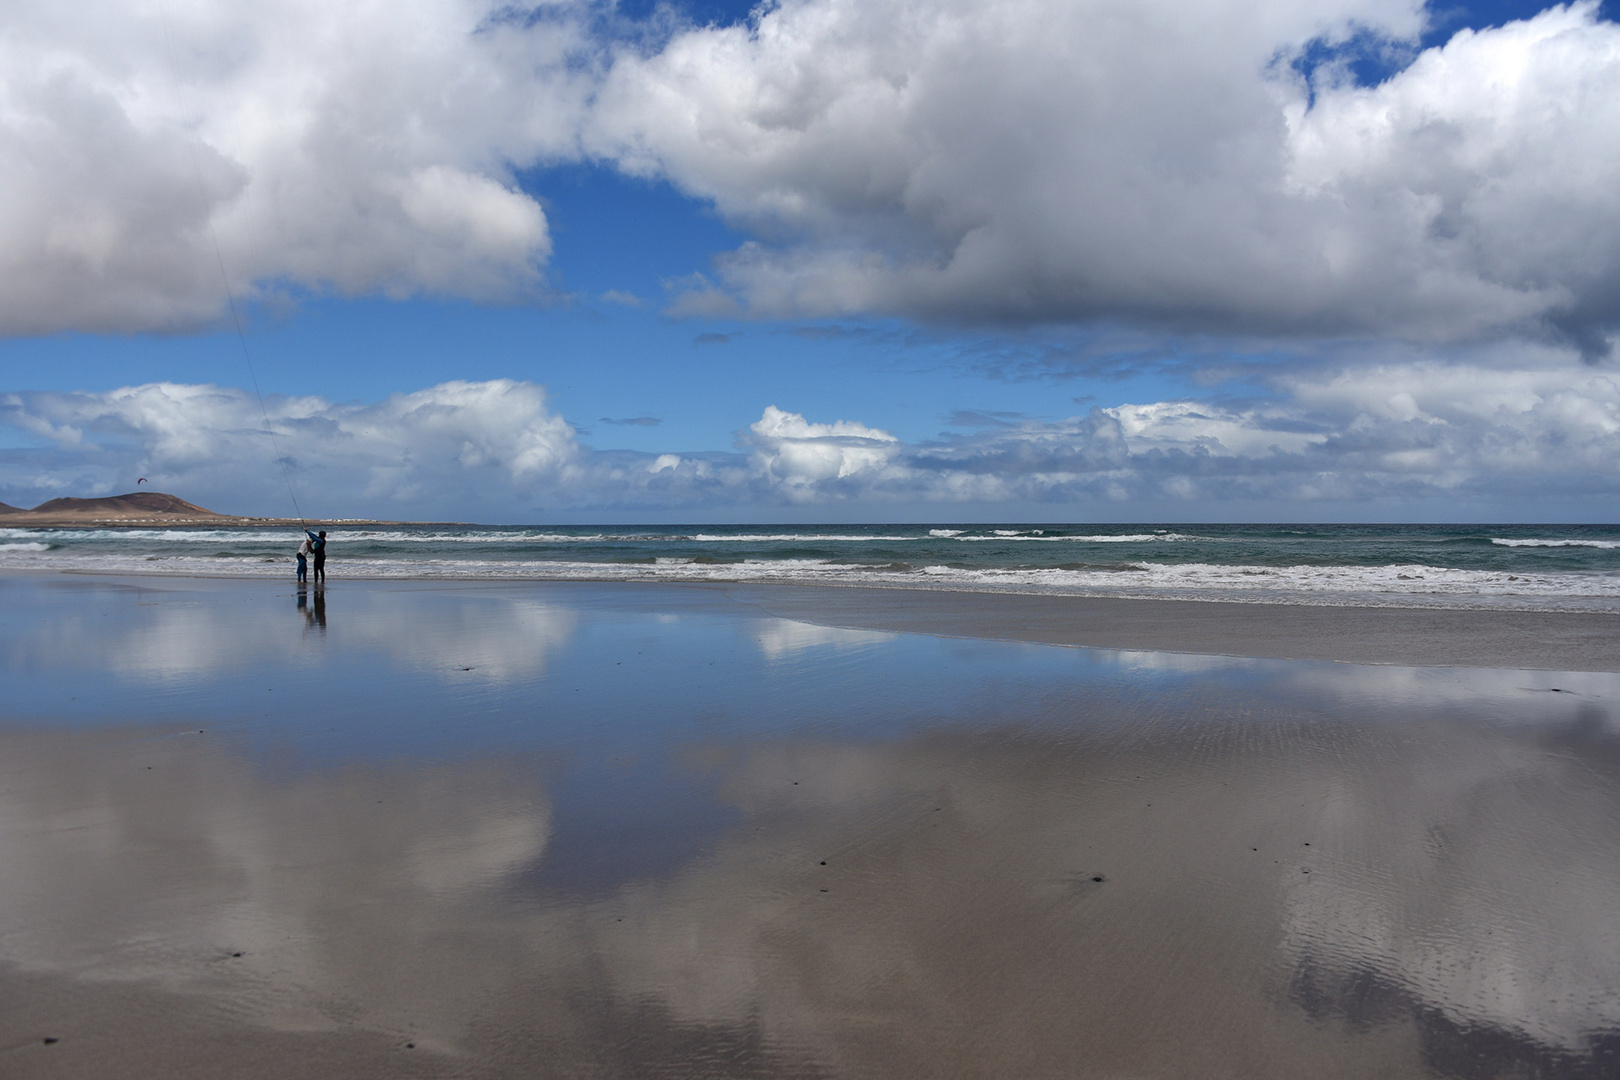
x=27 y=520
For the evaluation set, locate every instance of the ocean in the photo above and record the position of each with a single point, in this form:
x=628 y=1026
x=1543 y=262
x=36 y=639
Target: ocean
x=1540 y=567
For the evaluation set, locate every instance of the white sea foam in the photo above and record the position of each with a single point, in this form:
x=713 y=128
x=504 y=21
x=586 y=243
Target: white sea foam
x=1380 y=586
x=786 y=538
x=120 y=536
x=518 y=537
x=1129 y=538
x=1099 y=538
x=469 y=536
x=394 y=536
x=1607 y=545
x=446 y=552
x=378 y=536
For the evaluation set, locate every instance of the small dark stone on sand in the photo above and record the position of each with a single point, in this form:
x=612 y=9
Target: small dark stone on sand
x=410 y=1046
x=1254 y=849
x=1098 y=879
x=49 y=1039
x=236 y=954
x=823 y=890
x=1307 y=843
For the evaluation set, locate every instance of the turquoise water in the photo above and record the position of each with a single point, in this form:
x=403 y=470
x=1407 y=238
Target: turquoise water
x=1558 y=567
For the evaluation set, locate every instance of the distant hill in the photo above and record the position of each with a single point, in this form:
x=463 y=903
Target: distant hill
x=142 y=503
x=135 y=508
x=141 y=508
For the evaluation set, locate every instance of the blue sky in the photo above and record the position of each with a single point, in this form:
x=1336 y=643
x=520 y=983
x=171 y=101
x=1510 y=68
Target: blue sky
x=1119 y=351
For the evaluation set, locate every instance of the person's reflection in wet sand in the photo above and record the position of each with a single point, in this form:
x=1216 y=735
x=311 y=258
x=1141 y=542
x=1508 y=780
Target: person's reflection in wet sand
x=313 y=616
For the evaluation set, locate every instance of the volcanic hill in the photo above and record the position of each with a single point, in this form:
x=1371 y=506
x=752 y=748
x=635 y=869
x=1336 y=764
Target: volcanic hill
x=137 y=508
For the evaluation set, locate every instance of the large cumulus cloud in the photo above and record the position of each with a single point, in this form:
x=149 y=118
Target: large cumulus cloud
x=1357 y=440
x=356 y=148
x=1151 y=162
x=807 y=459
x=1157 y=162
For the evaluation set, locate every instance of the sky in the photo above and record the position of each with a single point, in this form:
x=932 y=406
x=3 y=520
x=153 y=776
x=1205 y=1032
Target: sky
x=814 y=260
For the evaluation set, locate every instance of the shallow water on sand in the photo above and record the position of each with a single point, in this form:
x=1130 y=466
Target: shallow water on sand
x=410 y=829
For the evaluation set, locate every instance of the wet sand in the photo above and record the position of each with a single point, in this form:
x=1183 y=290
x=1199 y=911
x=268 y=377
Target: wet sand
x=587 y=830
x=1548 y=641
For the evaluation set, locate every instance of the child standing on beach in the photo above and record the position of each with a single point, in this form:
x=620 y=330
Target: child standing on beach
x=304 y=550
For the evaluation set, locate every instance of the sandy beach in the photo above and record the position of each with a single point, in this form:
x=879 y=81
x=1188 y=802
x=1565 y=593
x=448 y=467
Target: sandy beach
x=403 y=829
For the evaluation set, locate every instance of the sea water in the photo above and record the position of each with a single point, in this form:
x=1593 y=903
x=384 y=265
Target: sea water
x=1541 y=567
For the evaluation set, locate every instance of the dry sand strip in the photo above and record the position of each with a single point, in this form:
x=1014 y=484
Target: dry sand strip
x=1418 y=637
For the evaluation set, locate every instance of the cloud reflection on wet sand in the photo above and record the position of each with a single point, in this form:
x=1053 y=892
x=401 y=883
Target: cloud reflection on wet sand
x=1280 y=895
x=173 y=631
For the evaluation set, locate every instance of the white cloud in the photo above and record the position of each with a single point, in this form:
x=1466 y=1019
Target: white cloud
x=1132 y=161
x=360 y=147
x=1143 y=160
x=1509 y=442
x=1187 y=425
x=458 y=445
x=803 y=457
x=1513 y=439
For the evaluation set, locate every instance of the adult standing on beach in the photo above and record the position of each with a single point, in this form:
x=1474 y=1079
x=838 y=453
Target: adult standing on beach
x=317 y=545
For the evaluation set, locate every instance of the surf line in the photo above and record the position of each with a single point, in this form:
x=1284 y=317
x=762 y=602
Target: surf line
x=225 y=283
